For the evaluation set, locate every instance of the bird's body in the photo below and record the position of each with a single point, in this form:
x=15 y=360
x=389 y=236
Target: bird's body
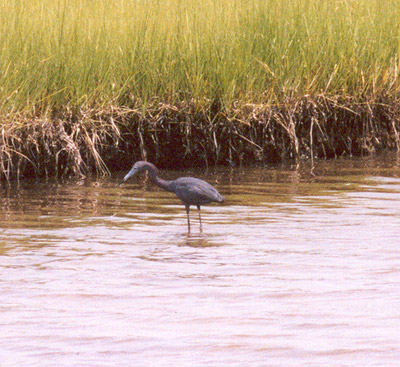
x=190 y=190
x=193 y=191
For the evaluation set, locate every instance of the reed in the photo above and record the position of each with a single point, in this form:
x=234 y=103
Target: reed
x=121 y=51
x=60 y=58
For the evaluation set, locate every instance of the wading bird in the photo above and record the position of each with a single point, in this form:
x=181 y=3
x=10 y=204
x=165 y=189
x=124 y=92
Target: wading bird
x=191 y=191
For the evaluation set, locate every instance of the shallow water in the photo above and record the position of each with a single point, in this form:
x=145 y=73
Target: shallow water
x=296 y=268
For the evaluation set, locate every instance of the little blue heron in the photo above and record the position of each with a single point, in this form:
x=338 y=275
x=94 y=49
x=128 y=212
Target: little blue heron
x=191 y=191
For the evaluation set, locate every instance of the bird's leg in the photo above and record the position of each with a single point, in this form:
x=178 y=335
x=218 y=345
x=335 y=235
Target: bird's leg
x=201 y=227
x=187 y=213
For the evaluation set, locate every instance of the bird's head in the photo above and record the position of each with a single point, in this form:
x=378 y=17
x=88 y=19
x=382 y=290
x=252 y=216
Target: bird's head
x=139 y=167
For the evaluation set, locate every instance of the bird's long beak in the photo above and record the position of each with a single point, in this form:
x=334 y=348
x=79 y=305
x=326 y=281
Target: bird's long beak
x=131 y=173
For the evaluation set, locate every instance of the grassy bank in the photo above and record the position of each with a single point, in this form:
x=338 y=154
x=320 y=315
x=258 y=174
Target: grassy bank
x=83 y=81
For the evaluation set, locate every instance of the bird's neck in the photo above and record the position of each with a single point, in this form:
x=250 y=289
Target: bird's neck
x=160 y=182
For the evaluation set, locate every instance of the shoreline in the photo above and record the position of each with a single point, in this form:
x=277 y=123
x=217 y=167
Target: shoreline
x=78 y=142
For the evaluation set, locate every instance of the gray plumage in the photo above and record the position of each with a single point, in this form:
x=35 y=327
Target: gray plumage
x=190 y=190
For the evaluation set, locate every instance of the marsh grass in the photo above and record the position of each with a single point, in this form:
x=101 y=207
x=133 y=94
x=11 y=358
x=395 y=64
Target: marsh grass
x=120 y=51
x=63 y=58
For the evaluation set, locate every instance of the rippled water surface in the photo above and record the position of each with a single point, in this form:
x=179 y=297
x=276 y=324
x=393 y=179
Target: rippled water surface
x=296 y=268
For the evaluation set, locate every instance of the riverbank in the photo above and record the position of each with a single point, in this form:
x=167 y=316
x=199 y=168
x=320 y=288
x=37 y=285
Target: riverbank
x=78 y=143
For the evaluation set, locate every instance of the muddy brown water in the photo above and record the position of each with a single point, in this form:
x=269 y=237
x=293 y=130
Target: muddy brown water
x=294 y=269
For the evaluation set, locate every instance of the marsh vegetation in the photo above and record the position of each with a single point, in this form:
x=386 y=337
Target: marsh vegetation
x=83 y=83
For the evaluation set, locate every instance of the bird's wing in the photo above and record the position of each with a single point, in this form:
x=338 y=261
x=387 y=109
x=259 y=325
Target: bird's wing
x=195 y=191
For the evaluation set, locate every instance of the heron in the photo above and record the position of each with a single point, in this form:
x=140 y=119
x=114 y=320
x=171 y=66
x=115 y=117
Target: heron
x=190 y=190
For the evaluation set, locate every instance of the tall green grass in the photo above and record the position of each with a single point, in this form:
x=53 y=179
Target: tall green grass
x=119 y=52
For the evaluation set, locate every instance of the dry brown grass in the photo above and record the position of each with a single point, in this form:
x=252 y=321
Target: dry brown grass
x=77 y=143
